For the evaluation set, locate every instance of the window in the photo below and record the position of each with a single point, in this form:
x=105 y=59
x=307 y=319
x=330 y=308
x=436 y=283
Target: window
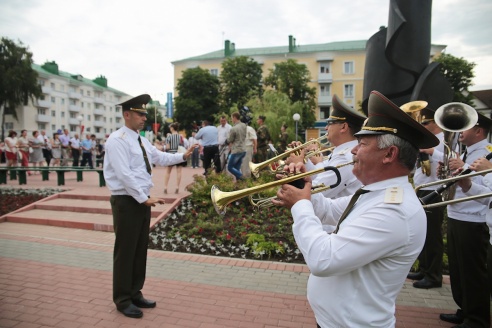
x=98 y=130
x=73 y=128
x=82 y=104
x=110 y=120
x=62 y=114
x=53 y=127
x=63 y=127
x=214 y=72
x=324 y=90
x=52 y=86
x=88 y=93
x=324 y=67
x=88 y=105
x=72 y=89
x=88 y=117
x=41 y=126
x=53 y=113
x=324 y=112
x=73 y=115
x=53 y=100
x=117 y=120
x=348 y=67
x=41 y=111
x=348 y=91
x=9 y=125
x=63 y=101
x=41 y=82
x=88 y=129
x=72 y=102
x=81 y=92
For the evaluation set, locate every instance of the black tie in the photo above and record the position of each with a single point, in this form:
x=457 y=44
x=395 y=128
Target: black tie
x=147 y=164
x=464 y=155
x=351 y=204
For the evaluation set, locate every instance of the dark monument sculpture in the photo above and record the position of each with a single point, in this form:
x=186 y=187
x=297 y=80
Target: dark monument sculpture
x=397 y=58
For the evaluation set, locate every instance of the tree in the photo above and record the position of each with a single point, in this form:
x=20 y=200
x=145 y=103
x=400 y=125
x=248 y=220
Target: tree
x=292 y=79
x=198 y=97
x=240 y=81
x=459 y=74
x=278 y=109
x=18 y=80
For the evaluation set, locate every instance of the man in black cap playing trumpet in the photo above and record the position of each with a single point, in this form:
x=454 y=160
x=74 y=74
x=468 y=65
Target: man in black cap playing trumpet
x=358 y=270
x=128 y=173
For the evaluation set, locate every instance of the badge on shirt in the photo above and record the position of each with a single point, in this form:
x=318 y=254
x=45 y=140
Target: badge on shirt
x=489 y=148
x=393 y=195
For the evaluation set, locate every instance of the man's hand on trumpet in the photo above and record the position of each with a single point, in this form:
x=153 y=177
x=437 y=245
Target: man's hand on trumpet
x=288 y=195
x=481 y=164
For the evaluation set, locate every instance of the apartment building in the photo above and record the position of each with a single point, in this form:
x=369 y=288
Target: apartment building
x=335 y=68
x=70 y=101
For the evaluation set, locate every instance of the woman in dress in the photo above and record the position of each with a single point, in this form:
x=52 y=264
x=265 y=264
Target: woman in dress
x=11 y=148
x=36 y=157
x=173 y=140
x=56 y=150
x=23 y=145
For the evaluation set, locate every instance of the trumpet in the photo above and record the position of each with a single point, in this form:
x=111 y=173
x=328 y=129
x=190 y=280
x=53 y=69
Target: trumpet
x=259 y=202
x=220 y=199
x=448 y=183
x=275 y=162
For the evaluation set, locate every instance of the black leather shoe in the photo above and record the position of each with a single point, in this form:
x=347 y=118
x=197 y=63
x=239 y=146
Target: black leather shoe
x=415 y=276
x=131 y=311
x=426 y=284
x=143 y=303
x=453 y=318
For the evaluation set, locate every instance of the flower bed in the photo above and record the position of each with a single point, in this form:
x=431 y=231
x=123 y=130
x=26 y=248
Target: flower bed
x=12 y=199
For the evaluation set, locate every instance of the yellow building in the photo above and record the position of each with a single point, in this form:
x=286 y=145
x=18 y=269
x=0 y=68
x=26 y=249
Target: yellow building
x=335 y=67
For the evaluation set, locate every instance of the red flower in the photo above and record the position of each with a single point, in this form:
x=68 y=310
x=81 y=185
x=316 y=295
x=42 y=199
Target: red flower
x=228 y=237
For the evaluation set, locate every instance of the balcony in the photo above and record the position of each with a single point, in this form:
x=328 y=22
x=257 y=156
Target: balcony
x=325 y=77
x=46 y=89
x=73 y=121
x=40 y=118
x=324 y=100
x=74 y=95
x=74 y=108
x=98 y=100
x=99 y=111
x=99 y=124
x=43 y=104
x=118 y=114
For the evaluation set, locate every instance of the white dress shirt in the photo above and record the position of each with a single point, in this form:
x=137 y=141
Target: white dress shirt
x=349 y=183
x=124 y=165
x=223 y=133
x=478 y=189
x=357 y=273
x=473 y=210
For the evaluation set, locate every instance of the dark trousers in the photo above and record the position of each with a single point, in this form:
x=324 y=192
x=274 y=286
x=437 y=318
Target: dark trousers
x=467 y=253
x=75 y=156
x=195 y=156
x=86 y=158
x=430 y=258
x=47 y=156
x=211 y=153
x=489 y=267
x=131 y=227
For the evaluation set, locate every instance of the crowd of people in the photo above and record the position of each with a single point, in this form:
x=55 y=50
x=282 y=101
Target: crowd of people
x=40 y=150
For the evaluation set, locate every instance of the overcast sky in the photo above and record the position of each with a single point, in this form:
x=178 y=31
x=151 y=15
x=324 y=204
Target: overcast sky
x=133 y=43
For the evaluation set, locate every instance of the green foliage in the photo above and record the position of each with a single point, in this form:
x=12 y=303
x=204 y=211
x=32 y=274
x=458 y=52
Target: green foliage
x=278 y=109
x=18 y=80
x=240 y=80
x=459 y=74
x=198 y=97
x=262 y=247
x=151 y=110
x=293 y=79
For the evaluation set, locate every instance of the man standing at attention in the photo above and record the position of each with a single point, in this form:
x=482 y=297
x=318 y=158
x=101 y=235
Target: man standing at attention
x=358 y=270
x=263 y=139
x=128 y=174
x=237 y=138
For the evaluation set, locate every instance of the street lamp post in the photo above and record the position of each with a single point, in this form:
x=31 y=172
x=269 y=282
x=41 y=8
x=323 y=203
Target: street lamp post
x=296 y=118
x=80 y=118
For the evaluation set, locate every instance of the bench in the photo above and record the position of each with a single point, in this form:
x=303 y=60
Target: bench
x=60 y=173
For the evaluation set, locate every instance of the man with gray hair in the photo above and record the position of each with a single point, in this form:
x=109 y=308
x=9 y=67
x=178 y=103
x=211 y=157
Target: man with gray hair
x=358 y=270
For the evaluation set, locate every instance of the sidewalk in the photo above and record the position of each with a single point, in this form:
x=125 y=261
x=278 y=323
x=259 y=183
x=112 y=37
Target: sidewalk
x=61 y=277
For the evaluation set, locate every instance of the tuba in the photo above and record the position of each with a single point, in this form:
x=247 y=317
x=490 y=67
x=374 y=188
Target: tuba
x=413 y=109
x=453 y=118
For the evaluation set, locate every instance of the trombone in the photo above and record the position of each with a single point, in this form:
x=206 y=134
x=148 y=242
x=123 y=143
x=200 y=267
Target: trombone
x=220 y=199
x=445 y=184
x=256 y=168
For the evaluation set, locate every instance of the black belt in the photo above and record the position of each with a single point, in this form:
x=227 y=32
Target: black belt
x=210 y=146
